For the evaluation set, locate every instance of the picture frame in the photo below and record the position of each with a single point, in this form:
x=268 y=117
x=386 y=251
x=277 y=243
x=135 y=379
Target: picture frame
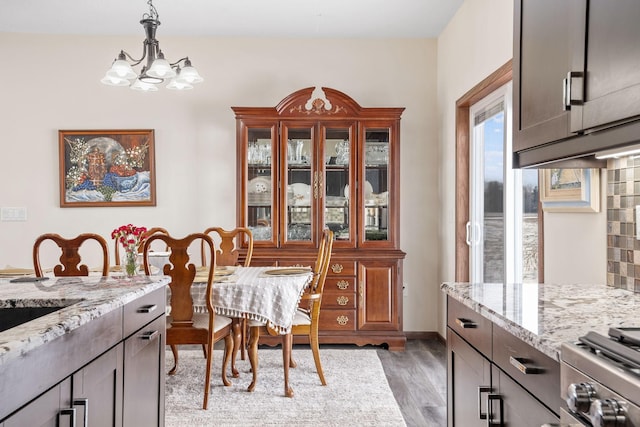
x=570 y=190
x=107 y=168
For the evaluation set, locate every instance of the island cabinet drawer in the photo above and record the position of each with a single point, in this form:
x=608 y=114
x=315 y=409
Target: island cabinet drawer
x=337 y=320
x=532 y=369
x=143 y=310
x=470 y=325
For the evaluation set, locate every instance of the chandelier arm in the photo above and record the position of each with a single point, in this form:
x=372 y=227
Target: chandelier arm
x=134 y=61
x=173 y=64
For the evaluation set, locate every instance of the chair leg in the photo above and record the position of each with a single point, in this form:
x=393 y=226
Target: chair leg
x=207 y=377
x=245 y=332
x=204 y=350
x=315 y=348
x=228 y=349
x=174 y=350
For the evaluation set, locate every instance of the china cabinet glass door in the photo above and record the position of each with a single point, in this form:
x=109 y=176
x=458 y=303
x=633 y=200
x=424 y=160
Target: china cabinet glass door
x=300 y=183
x=336 y=185
x=375 y=185
x=261 y=191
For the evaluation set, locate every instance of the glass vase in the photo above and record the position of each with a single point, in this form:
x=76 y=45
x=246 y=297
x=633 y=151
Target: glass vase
x=131 y=263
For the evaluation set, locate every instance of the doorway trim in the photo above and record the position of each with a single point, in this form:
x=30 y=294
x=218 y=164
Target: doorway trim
x=496 y=79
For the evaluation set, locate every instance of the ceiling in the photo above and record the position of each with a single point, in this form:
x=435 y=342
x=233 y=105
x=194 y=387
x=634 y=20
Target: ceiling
x=233 y=18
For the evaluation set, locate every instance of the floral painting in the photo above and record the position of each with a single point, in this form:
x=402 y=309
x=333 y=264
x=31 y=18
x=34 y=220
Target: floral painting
x=107 y=168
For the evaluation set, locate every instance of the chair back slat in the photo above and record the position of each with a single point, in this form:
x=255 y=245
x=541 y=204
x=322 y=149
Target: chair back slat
x=230 y=243
x=70 y=259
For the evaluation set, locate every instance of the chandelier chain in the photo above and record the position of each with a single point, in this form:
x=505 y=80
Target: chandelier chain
x=153 y=13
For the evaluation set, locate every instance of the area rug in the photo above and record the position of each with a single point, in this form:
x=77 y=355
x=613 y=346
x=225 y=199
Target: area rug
x=356 y=394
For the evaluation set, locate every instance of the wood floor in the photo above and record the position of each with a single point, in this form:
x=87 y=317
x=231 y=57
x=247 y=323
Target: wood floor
x=418 y=379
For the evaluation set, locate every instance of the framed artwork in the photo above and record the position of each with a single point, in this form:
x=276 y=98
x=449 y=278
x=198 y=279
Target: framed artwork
x=570 y=190
x=107 y=168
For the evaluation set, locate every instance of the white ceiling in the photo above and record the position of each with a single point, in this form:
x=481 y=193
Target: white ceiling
x=233 y=18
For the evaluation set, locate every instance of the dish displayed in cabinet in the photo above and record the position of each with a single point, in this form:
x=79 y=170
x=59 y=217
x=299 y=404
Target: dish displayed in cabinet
x=368 y=190
x=301 y=194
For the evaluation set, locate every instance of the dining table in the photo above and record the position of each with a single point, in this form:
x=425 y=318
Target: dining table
x=267 y=296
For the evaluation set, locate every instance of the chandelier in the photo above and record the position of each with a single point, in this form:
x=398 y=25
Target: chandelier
x=156 y=69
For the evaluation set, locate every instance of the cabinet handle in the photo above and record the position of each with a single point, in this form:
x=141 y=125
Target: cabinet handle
x=567 y=89
x=337 y=268
x=490 y=398
x=342 y=320
x=342 y=284
x=482 y=389
x=520 y=364
x=342 y=300
x=465 y=323
x=148 y=336
x=147 y=308
x=83 y=402
x=72 y=416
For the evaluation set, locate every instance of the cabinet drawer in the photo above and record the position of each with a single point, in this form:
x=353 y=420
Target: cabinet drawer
x=340 y=284
x=342 y=268
x=143 y=310
x=337 y=320
x=532 y=369
x=338 y=299
x=471 y=326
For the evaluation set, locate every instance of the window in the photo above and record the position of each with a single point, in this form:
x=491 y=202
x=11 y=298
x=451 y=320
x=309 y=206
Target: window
x=502 y=231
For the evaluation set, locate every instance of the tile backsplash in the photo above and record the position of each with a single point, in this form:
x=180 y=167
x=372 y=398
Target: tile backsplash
x=623 y=250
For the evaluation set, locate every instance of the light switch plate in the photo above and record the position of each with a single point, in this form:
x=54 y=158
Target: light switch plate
x=13 y=213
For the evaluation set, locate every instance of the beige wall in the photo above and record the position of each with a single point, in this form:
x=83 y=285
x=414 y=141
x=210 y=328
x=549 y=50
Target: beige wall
x=476 y=42
x=54 y=84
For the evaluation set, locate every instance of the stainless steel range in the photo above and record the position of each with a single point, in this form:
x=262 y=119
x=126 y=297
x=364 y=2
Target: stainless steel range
x=600 y=379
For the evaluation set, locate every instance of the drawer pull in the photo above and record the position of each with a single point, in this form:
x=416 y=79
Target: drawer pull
x=337 y=268
x=148 y=336
x=521 y=366
x=342 y=284
x=490 y=414
x=342 y=300
x=85 y=403
x=482 y=389
x=466 y=324
x=147 y=308
x=342 y=320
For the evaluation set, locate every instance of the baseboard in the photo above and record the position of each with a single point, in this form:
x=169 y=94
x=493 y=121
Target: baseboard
x=424 y=335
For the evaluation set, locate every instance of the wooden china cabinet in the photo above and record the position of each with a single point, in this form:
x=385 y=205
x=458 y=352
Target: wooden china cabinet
x=314 y=162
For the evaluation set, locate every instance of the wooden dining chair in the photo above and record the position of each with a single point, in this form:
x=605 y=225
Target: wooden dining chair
x=145 y=235
x=307 y=318
x=70 y=259
x=228 y=254
x=230 y=242
x=183 y=325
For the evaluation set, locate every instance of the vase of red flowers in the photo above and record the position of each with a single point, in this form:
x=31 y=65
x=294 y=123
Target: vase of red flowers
x=130 y=237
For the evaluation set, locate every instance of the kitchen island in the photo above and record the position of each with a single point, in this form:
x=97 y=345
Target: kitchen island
x=54 y=367
x=504 y=340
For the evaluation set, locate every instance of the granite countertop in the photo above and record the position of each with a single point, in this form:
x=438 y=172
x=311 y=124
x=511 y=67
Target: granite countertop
x=88 y=298
x=545 y=315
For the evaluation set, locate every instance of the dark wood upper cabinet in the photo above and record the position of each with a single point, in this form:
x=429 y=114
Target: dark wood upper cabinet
x=576 y=78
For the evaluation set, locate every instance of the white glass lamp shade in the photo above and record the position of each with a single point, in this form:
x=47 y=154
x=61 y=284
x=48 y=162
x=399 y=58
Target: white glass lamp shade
x=122 y=70
x=114 y=81
x=177 y=84
x=189 y=75
x=143 y=87
x=161 y=68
